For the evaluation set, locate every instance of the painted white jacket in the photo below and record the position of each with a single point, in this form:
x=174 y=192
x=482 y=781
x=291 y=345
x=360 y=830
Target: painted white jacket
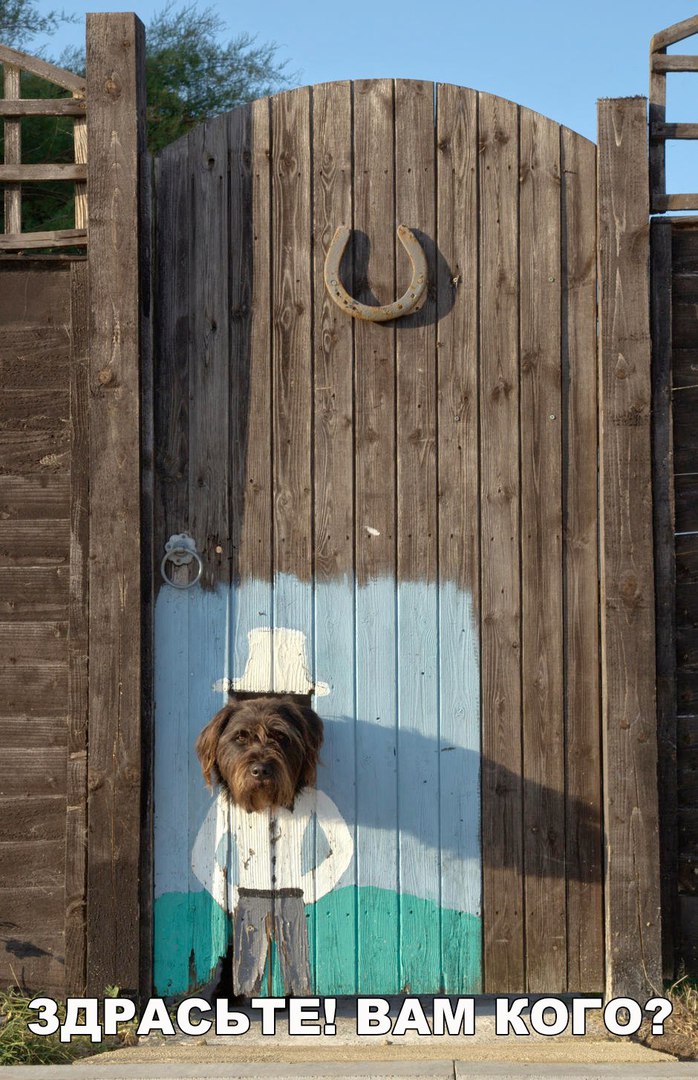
x=263 y=850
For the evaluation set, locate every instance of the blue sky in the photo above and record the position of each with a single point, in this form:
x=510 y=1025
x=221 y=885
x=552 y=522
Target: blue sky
x=556 y=58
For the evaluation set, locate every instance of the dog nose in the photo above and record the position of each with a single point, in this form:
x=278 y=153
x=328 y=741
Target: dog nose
x=260 y=770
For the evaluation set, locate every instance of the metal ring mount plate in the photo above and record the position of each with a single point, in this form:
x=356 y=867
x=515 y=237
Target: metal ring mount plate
x=385 y=312
x=180 y=550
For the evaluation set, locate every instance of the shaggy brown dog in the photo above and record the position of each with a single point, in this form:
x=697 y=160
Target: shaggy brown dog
x=262 y=751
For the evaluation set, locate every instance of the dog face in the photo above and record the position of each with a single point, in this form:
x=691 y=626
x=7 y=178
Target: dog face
x=262 y=751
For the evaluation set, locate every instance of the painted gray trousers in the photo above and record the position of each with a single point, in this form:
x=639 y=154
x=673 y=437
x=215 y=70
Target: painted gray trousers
x=260 y=917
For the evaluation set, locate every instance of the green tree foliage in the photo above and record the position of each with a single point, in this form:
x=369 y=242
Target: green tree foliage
x=21 y=22
x=44 y=139
x=191 y=76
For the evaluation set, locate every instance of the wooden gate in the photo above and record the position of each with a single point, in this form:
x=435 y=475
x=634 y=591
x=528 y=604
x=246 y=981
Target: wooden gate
x=400 y=521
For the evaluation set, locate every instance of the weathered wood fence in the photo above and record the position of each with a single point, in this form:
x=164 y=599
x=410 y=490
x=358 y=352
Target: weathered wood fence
x=74 y=598
x=488 y=445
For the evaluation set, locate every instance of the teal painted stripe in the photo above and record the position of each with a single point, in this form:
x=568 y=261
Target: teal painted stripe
x=175 y=974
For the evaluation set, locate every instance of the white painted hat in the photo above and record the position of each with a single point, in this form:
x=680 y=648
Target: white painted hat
x=277 y=663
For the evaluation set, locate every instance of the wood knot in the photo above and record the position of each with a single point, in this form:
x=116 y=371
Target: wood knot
x=105 y=377
x=95 y=781
x=113 y=87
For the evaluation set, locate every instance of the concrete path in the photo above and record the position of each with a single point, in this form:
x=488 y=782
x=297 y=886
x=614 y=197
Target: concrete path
x=414 y=1070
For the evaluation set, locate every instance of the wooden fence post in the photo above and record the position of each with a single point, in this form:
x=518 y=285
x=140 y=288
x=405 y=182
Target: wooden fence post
x=633 y=929
x=116 y=144
x=665 y=582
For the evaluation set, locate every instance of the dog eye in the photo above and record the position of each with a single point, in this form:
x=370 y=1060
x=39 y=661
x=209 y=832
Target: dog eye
x=241 y=736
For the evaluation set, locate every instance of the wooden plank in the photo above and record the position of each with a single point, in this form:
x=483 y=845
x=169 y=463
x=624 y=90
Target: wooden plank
x=26 y=410
x=662 y=203
x=209 y=608
x=149 y=561
x=42 y=107
x=32 y=594
x=684 y=431
x=684 y=368
x=541 y=555
x=33 y=732
x=35 y=294
x=687 y=694
x=333 y=460
x=502 y=761
x=674 y=131
x=252 y=508
x=417 y=540
x=116 y=141
x=42 y=451
x=252 y=513
x=687 y=560
x=33 y=640
x=292 y=380
x=457 y=288
x=684 y=322
x=32 y=498
x=684 y=284
x=78 y=684
x=633 y=941
x=30 y=866
x=68 y=80
x=674 y=62
x=209 y=375
x=32 y=953
x=34 y=817
x=19 y=174
x=12 y=139
x=684 y=250
x=33 y=772
x=39 y=688
x=686 y=603
x=34 y=543
x=665 y=578
x=171 y=826
x=686 y=502
x=36 y=965
x=34 y=356
x=687 y=649
x=172 y=281
x=53 y=238
x=584 y=841
x=378 y=961
x=688 y=950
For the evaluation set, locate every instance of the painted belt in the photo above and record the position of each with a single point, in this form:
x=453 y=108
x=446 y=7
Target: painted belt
x=269 y=894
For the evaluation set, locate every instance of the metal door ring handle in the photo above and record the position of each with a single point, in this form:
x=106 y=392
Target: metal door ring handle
x=370 y=313
x=178 y=552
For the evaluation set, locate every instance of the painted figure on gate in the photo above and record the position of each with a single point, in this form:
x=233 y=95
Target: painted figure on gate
x=259 y=877
x=259 y=852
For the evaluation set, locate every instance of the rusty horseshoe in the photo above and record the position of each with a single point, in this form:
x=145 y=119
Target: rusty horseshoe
x=383 y=313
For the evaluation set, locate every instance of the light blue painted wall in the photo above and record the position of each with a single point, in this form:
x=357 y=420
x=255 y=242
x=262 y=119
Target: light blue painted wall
x=401 y=761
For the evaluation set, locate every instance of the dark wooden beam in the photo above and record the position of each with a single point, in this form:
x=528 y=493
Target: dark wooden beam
x=116 y=144
x=665 y=581
x=629 y=717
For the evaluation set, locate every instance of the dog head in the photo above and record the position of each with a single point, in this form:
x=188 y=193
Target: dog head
x=262 y=751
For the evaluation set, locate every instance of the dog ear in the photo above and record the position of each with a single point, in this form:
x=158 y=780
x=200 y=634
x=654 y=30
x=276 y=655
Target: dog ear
x=314 y=739
x=311 y=727
x=207 y=742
